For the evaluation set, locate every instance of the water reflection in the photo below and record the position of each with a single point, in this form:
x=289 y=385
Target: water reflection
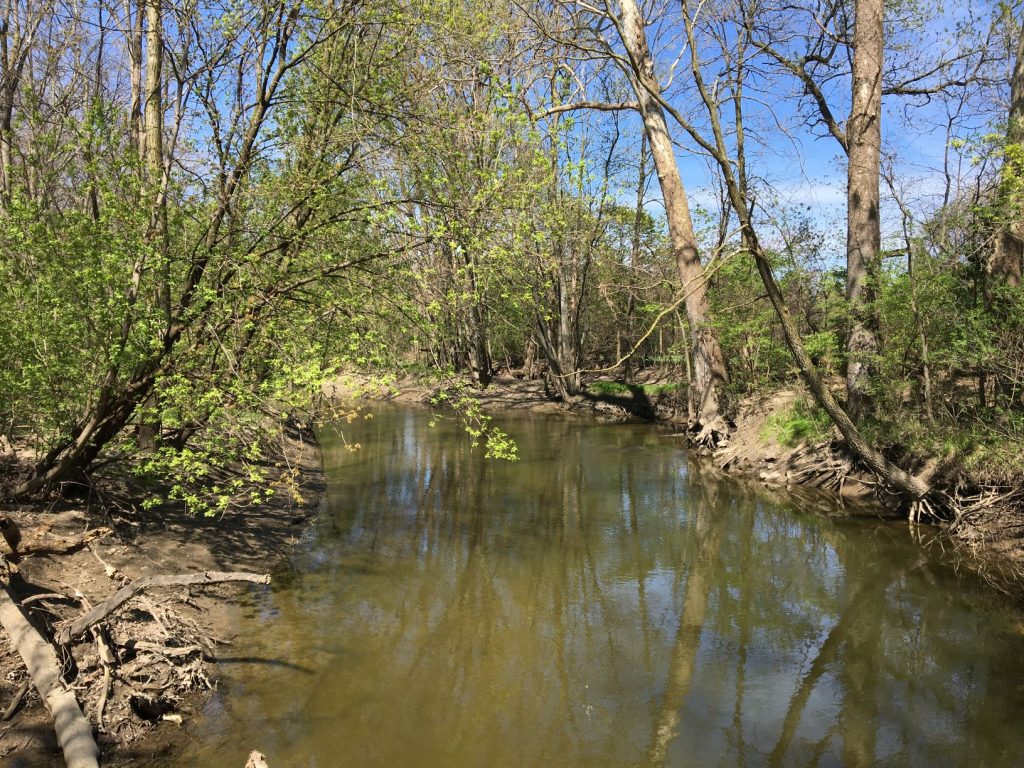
x=602 y=603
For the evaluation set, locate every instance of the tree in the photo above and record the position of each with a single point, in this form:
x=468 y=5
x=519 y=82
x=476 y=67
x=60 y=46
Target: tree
x=863 y=218
x=205 y=243
x=732 y=169
x=1007 y=262
x=709 y=373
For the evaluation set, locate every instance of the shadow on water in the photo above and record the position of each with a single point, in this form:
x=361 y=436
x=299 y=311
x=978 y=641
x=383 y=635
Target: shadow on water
x=262 y=660
x=604 y=603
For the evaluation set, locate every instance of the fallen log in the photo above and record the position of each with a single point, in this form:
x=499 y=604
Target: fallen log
x=59 y=545
x=73 y=731
x=128 y=591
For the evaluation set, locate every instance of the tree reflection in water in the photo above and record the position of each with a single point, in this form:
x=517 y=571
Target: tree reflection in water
x=604 y=603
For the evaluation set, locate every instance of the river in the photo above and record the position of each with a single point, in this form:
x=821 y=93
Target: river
x=603 y=602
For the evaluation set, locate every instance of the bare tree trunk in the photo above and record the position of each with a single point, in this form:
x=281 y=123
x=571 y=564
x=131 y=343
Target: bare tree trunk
x=708 y=363
x=8 y=88
x=568 y=333
x=133 y=42
x=6 y=155
x=864 y=233
x=479 y=356
x=1007 y=261
x=93 y=196
x=74 y=733
x=153 y=145
x=549 y=347
x=154 y=93
x=17 y=37
x=634 y=258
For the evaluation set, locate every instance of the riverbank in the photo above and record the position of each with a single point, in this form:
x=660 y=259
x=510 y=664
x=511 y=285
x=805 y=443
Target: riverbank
x=779 y=441
x=163 y=645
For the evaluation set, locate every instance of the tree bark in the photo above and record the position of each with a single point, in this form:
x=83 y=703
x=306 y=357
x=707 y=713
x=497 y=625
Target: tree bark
x=154 y=97
x=17 y=36
x=864 y=234
x=133 y=44
x=1007 y=262
x=709 y=371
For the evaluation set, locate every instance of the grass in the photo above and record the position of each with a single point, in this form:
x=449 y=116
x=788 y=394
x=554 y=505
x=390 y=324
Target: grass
x=801 y=422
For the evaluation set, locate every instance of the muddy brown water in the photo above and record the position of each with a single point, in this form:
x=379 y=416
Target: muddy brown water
x=602 y=602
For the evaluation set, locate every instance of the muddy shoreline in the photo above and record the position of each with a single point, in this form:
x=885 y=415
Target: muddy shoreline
x=254 y=540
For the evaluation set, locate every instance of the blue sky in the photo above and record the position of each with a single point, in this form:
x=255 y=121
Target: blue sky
x=803 y=164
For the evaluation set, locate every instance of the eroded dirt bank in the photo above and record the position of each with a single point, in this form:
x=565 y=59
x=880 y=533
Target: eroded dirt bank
x=163 y=645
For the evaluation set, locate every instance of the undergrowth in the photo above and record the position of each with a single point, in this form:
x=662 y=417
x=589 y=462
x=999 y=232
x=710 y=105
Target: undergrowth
x=800 y=422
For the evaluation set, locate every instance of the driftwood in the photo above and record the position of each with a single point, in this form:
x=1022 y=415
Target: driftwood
x=125 y=593
x=59 y=545
x=73 y=731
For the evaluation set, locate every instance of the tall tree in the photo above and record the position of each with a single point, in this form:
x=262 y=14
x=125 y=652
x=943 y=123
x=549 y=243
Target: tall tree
x=19 y=26
x=709 y=373
x=1007 y=262
x=731 y=163
x=863 y=221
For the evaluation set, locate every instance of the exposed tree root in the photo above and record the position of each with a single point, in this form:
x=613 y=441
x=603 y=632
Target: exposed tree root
x=122 y=681
x=707 y=437
x=15 y=702
x=119 y=598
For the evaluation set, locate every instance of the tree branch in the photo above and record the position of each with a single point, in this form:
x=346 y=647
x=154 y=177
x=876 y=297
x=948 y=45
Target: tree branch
x=125 y=593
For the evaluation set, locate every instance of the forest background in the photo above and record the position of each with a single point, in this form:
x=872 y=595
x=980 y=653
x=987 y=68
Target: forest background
x=210 y=208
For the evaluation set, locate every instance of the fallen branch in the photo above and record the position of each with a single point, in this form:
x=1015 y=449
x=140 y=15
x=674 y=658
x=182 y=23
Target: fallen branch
x=16 y=701
x=53 y=545
x=73 y=731
x=125 y=593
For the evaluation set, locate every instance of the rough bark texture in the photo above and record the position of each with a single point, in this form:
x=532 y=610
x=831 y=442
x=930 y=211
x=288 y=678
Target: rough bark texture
x=1007 y=263
x=154 y=100
x=864 y=235
x=709 y=371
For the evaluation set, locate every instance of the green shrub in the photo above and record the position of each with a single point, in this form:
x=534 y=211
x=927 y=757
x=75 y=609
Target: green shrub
x=801 y=422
